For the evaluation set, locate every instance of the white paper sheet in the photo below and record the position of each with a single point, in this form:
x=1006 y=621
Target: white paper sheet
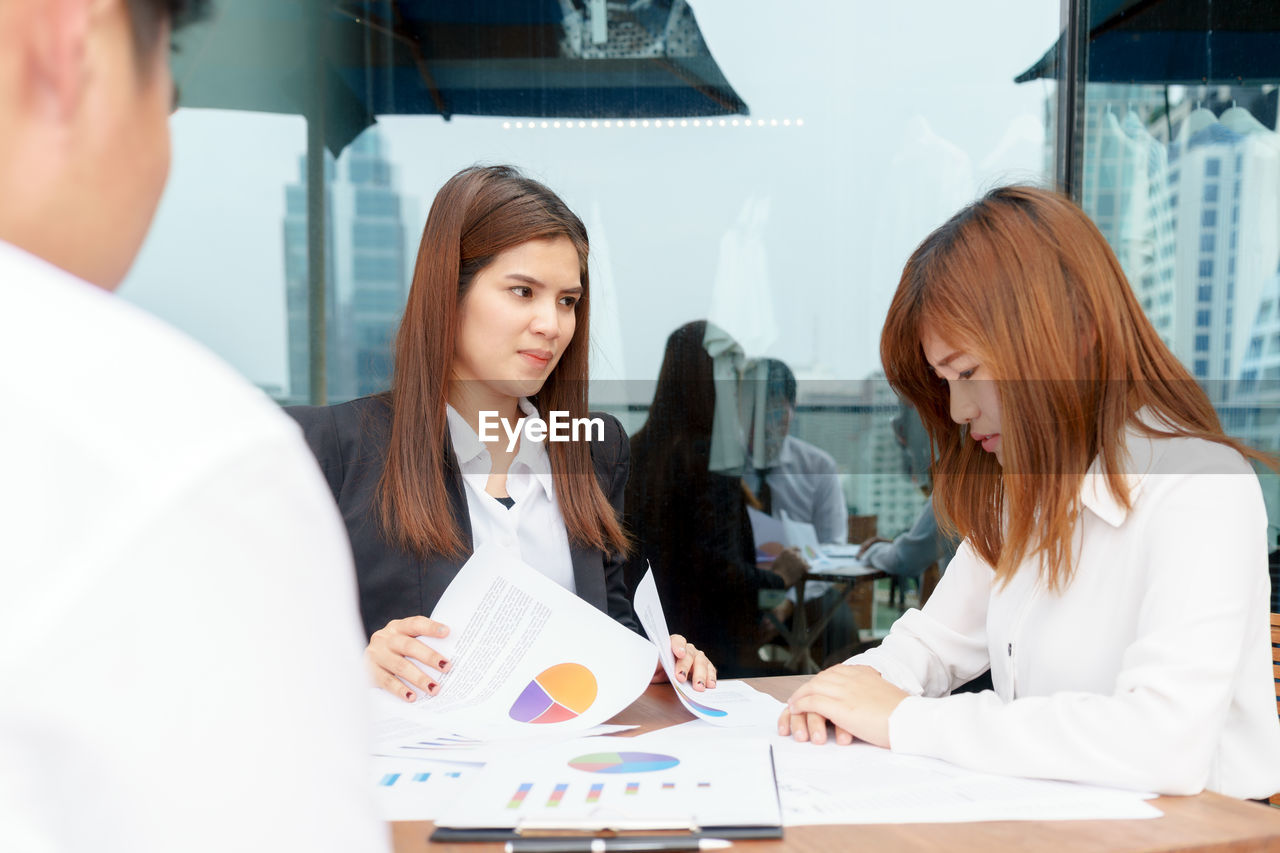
x=719 y=706
x=405 y=789
x=591 y=783
x=769 y=536
x=805 y=537
x=527 y=656
x=397 y=731
x=860 y=783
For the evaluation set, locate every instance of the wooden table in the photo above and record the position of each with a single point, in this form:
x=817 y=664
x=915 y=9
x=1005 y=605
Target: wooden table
x=1203 y=822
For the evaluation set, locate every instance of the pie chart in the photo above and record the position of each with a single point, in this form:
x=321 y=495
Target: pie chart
x=624 y=762
x=558 y=693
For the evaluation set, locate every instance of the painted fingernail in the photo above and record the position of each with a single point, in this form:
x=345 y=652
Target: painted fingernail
x=680 y=674
x=700 y=684
x=432 y=688
x=444 y=664
x=408 y=696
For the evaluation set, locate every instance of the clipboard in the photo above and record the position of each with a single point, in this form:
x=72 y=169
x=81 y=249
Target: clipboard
x=607 y=787
x=447 y=835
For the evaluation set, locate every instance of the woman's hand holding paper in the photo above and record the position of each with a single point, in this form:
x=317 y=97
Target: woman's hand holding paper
x=692 y=664
x=393 y=650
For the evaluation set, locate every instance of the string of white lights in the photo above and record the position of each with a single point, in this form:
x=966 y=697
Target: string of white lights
x=599 y=124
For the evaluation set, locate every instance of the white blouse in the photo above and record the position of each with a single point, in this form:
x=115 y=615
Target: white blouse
x=1151 y=671
x=533 y=527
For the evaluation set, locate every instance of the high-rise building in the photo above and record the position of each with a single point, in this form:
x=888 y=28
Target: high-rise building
x=877 y=483
x=368 y=278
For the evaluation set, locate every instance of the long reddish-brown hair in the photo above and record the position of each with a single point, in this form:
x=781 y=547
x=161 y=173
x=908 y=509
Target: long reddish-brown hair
x=479 y=213
x=1024 y=281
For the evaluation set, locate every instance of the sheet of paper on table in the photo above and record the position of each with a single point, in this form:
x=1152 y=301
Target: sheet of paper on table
x=527 y=656
x=409 y=789
x=596 y=783
x=397 y=731
x=804 y=536
x=860 y=783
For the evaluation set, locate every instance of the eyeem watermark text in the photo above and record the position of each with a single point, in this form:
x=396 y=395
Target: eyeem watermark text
x=560 y=427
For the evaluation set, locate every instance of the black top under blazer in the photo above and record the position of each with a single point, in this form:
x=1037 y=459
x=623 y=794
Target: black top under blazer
x=350 y=442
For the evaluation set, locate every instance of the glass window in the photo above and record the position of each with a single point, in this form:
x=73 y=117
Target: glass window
x=1202 y=143
x=843 y=145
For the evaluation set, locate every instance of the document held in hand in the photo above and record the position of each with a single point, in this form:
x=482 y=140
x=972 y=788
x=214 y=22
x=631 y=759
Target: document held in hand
x=527 y=656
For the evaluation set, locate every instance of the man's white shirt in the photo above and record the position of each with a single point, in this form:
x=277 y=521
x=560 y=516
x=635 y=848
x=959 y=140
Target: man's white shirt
x=179 y=641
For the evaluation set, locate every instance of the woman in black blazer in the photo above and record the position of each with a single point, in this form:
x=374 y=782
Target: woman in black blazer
x=496 y=327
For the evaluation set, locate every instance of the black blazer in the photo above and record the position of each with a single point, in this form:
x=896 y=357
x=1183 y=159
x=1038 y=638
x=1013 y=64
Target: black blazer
x=350 y=443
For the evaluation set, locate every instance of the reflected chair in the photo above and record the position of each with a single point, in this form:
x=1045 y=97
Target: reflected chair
x=1275 y=671
x=861 y=595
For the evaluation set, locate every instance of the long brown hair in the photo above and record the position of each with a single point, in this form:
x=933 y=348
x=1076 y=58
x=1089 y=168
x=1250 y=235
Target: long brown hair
x=1024 y=280
x=479 y=213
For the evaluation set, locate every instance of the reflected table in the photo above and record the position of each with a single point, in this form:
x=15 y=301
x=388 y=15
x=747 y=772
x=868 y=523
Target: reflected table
x=801 y=635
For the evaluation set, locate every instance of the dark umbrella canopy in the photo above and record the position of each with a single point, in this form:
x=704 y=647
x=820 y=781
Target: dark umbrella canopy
x=352 y=60
x=1187 y=42
x=342 y=63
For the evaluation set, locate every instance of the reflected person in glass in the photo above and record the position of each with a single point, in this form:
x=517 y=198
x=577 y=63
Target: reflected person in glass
x=496 y=323
x=1112 y=573
x=691 y=521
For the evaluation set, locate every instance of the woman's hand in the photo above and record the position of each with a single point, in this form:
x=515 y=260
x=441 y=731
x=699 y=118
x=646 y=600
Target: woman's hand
x=390 y=649
x=692 y=665
x=856 y=699
x=789 y=565
x=867 y=544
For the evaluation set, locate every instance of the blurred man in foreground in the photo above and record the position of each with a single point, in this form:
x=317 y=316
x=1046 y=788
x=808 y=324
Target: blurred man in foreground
x=179 y=648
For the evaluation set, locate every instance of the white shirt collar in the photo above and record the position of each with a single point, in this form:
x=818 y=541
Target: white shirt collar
x=473 y=455
x=1138 y=455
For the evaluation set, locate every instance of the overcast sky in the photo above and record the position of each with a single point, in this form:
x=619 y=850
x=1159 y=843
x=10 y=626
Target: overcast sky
x=909 y=110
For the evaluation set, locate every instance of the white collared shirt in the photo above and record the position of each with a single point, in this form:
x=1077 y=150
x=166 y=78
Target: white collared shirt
x=533 y=527
x=806 y=483
x=165 y=538
x=1151 y=671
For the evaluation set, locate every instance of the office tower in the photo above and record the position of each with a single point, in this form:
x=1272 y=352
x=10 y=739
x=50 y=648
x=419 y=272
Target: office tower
x=366 y=265
x=1126 y=192
x=878 y=483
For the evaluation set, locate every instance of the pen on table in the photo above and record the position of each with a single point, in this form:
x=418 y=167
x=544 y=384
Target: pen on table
x=634 y=844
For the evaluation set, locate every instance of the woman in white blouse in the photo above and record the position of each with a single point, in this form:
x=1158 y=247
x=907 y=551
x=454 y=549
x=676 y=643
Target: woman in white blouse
x=1113 y=574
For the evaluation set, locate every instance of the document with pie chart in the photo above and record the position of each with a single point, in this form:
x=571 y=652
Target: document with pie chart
x=608 y=782
x=527 y=656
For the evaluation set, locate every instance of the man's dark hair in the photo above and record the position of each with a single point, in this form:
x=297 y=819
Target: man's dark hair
x=782 y=381
x=147 y=16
